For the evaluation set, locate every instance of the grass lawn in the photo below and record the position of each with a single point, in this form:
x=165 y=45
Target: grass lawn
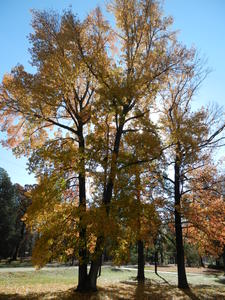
x=115 y=283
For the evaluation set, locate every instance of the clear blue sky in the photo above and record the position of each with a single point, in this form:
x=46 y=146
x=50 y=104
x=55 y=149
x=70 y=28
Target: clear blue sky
x=200 y=23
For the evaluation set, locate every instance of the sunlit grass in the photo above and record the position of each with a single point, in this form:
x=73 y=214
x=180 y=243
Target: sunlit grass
x=114 y=283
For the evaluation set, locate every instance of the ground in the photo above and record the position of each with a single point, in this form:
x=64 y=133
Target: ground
x=115 y=283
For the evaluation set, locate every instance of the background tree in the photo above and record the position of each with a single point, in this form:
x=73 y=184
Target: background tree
x=7 y=215
x=136 y=208
x=22 y=203
x=190 y=134
x=205 y=210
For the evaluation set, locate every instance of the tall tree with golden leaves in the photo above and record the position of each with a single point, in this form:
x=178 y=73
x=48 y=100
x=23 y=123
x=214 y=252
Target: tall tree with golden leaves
x=45 y=113
x=85 y=73
x=129 y=79
x=191 y=134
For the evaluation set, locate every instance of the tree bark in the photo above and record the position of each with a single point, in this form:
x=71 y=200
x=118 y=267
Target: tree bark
x=161 y=256
x=156 y=261
x=140 y=243
x=141 y=262
x=201 y=262
x=182 y=278
x=93 y=274
x=224 y=260
x=91 y=282
x=16 y=251
x=217 y=262
x=82 y=272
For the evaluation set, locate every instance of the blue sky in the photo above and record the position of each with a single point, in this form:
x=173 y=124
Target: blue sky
x=200 y=23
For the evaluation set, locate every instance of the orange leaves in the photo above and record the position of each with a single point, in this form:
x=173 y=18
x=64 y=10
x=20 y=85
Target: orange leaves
x=69 y=252
x=206 y=211
x=91 y=242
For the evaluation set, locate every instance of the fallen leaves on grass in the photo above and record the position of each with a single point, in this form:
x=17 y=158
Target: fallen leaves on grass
x=124 y=290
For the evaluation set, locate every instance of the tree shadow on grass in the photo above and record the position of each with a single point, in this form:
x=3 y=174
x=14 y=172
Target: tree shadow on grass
x=163 y=279
x=116 y=270
x=190 y=294
x=128 y=290
x=151 y=289
x=212 y=272
x=221 y=280
x=125 y=291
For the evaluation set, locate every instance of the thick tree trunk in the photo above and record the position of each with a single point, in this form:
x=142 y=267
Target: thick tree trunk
x=91 y=279
x=141 y=262
x=91 y=283
x=93 y=274
x=82 y=273
x=182 y=278
x=82 y=277
x=140 y=243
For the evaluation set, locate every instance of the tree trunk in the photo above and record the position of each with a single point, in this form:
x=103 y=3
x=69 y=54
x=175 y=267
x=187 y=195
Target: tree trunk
x=182 y=278
x=16 y=250
x=217 y=262
x=141 y=262
x=161 y=256
x=91 y=283
x=82 y=273
x=156 y=261
x=82 y=276
x=201 y=262
x=140 y=243
x=224 y=259
x=91 y=279
x=93 y=275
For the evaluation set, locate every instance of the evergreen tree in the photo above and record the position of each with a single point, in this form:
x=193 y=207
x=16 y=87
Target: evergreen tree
x=7 y=215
